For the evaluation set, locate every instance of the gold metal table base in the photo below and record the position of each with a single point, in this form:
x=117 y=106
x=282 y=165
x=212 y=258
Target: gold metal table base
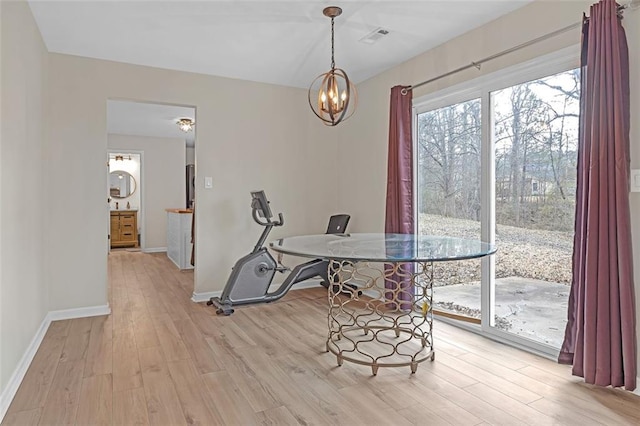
x=381 y=317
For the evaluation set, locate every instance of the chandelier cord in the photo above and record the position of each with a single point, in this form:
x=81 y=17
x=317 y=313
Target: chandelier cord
x=333 y=62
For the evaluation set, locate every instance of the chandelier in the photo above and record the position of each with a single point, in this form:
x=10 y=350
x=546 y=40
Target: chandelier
x=186 y=124
x=332 y=96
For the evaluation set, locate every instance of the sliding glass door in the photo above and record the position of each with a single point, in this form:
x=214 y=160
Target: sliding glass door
x=535 y=128
x=448 y=198
x=497 y=161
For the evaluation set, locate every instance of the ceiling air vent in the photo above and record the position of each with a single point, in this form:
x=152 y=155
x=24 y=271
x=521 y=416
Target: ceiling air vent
x=374 y=35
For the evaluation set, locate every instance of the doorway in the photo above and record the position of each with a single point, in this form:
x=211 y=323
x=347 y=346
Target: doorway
x=163 y=137
x=125 y=199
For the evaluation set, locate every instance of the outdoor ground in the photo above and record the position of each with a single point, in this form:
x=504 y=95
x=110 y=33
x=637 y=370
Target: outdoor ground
x=527 y=253
x=533 y=271
x=533 y=309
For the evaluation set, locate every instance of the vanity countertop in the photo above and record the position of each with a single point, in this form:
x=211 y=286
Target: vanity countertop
x=124 y=210
x=181 y=211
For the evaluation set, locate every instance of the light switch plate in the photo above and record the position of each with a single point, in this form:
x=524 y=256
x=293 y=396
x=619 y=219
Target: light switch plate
x=208 y=182
x=635 y=180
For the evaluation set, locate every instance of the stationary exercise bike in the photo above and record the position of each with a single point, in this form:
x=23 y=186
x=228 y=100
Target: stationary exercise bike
x=252 y=274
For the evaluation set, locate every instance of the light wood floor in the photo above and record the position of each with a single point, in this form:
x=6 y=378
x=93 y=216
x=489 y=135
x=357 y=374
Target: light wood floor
x=161 y=359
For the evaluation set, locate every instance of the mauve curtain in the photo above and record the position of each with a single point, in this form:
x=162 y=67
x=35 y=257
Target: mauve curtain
x=600 y=338
x=399 y=218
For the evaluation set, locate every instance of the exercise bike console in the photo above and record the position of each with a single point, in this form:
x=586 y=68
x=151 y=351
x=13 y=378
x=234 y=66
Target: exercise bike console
x=252 y=274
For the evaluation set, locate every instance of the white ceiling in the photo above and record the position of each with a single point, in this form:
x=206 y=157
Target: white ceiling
x=145 y=119
x=281 y=42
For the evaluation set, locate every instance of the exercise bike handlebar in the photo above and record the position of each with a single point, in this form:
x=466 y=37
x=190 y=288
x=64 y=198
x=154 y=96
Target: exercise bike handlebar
x=268 y=224
x=267 y=221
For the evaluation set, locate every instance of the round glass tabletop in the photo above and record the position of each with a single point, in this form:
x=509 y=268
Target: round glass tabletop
x=383 y=247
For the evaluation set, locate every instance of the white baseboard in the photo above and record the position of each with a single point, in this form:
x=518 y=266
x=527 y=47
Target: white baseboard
x=155 y=250
x=637 y=390
x=204 y=297
x=90 y=311
x=18 y=374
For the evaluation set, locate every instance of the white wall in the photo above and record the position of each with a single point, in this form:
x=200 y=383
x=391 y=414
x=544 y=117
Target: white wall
x=23 y=291
x=244 y=143
x=363 y=140
x=162 y=182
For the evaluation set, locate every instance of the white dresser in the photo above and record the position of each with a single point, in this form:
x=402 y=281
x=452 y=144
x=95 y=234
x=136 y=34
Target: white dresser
x=179 y=237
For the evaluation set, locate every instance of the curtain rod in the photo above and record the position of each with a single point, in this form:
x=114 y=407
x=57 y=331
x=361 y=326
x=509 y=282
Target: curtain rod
x=634 y=4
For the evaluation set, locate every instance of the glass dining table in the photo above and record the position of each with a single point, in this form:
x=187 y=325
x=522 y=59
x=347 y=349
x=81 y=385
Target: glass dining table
x=380 y=292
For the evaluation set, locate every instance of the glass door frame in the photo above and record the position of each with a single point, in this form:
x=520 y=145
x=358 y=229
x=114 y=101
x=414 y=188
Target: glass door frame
x=482 y=87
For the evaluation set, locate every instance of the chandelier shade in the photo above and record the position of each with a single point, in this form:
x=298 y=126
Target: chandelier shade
x=332 y=96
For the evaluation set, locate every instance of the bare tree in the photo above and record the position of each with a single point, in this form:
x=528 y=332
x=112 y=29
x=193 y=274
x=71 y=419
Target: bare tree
x=535 y=132
x=449 y=151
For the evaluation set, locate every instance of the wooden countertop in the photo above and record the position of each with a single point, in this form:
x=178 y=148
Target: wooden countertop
x=124 y=210
x=181 y=211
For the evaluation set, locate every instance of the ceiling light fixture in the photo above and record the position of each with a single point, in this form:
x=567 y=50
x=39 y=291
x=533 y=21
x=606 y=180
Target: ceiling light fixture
x=332 y=96
x=186 y=124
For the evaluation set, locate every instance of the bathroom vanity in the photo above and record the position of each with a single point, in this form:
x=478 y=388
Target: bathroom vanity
x=124 y=228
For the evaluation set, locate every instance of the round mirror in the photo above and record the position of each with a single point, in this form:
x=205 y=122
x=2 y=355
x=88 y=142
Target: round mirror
x=121 y=184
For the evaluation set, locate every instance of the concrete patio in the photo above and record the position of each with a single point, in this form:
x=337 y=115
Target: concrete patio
x=533 y=309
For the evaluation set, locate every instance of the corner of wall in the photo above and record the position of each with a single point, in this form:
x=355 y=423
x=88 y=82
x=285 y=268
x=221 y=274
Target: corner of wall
x=9 y=392
x=21 y=369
